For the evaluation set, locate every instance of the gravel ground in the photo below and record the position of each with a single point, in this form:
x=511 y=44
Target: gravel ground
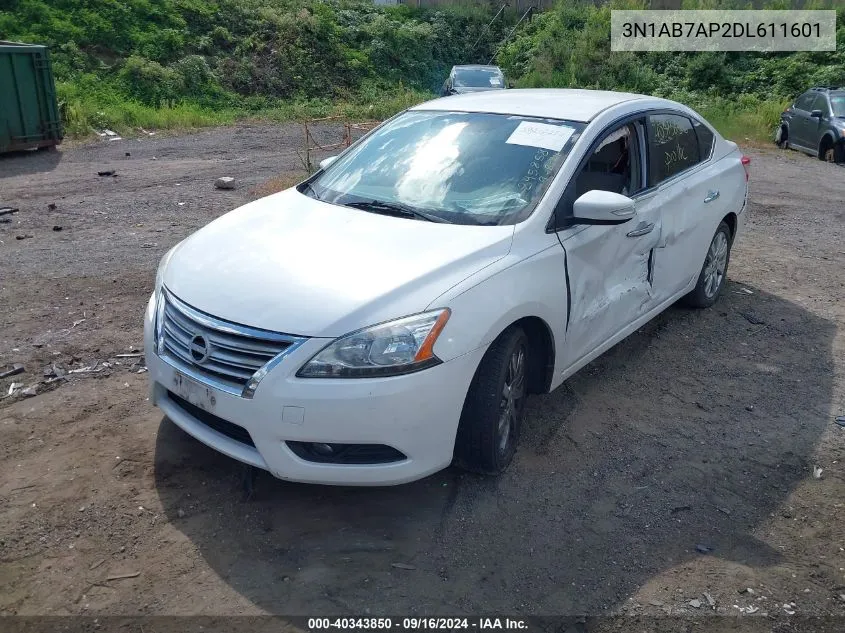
x=673 y=472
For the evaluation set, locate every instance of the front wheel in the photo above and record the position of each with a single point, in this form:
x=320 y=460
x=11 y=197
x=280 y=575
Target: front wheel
x=714 y=271
x=495 y=404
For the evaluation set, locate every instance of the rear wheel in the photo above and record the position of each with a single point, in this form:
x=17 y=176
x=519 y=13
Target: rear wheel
x=782 y=137
x=714 y=271
x=494 y=407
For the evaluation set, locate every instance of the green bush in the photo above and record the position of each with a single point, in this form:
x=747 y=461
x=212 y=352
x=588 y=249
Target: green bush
x=118 y=62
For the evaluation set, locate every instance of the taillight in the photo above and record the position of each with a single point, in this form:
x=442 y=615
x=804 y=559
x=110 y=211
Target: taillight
x=746 y=164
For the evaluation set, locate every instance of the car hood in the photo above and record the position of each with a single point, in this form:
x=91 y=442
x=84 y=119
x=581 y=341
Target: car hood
x=289 y=263
x=467 y=89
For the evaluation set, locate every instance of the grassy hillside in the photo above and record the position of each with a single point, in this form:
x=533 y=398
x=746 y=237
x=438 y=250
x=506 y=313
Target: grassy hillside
x=181 y=63
x=741 y=93
x=184 y=62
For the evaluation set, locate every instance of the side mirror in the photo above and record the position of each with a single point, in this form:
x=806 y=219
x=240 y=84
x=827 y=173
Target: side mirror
x=603 y=207
x=816 y=114
x=327 y=161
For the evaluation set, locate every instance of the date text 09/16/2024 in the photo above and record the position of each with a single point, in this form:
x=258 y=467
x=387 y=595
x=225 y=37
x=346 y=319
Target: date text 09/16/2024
x=416 y=623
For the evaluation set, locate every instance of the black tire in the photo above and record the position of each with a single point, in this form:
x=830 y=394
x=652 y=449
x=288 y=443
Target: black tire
x=489 y=431
x=782 y=137
x=707 y=291
x=831 y=153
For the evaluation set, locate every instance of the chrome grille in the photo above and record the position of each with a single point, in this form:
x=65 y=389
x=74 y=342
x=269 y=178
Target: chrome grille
x=221 y=354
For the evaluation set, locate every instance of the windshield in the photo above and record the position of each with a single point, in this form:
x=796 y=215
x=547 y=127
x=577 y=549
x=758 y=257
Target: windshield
x=837 y=103
x=464 y=168
x=479 y=78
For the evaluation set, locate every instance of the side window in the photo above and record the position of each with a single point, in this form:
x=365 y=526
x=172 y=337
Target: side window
x=805 y=100
x=705 y=139
x=672 y=146
x=613 y=166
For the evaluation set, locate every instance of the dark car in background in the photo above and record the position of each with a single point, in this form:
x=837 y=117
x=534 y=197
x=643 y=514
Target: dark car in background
x=815 y=124
x=473 y=78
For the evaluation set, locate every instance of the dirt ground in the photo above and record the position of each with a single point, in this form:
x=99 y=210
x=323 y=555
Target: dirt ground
x=673 y=475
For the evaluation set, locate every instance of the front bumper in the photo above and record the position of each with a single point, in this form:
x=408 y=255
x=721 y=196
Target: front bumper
x=416 y=414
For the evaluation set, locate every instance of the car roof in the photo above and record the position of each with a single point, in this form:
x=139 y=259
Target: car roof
x=476 y=66
x=561 y=103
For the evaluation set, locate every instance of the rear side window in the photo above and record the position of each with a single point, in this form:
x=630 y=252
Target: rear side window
x=672 y=146
x=705 y=139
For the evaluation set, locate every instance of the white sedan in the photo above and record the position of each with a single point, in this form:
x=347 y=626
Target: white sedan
x=390 y=315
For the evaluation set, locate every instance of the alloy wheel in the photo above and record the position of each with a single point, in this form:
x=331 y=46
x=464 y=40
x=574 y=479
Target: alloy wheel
x=716 y=263
x=513 y=396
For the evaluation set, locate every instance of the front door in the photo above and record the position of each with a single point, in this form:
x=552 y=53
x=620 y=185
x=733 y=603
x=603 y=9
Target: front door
x=610 y=268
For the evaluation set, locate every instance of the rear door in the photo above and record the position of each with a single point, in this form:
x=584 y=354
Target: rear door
x=693 y=192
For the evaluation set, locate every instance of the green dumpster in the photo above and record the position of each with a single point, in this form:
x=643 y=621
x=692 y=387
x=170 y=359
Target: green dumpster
x=29 y=114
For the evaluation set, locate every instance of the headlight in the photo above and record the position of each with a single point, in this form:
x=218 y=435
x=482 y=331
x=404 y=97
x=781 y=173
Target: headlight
x=388 y=349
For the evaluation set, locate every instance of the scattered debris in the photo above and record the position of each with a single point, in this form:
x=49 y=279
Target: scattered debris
x=750 y=609
x=54 y=371
x=146 y=132
x=750 y=407
x=52 y=206
x=677 y=509
x=132 y=355
x=30 y=391
x=695 y=604
x=128 y=154
x=840 y=420
x=225 y=182
x=14 y=387
x=710 y=600
x=402 y=566
x=96 y=564
x=57 y=228
x=5 y=220
x=789 y=609
x=107 y=172
x=747 y=590
x=817 y=472
x=16 y=369
x=149 y=245
x=703 y=549
x=180 y=513
x=24 y=236
x=8 y=210
x=752 y=318
x=132 y=574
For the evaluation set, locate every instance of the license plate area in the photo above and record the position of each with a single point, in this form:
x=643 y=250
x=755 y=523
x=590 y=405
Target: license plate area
x=194 y=392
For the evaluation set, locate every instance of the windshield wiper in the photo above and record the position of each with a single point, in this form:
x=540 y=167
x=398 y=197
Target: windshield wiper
x=396 y=209
x=307 y=186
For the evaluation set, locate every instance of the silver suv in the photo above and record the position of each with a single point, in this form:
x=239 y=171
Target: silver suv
x=815 y=124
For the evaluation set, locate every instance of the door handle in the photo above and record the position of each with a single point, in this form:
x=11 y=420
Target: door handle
x=711 y=196
x=643 y=230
